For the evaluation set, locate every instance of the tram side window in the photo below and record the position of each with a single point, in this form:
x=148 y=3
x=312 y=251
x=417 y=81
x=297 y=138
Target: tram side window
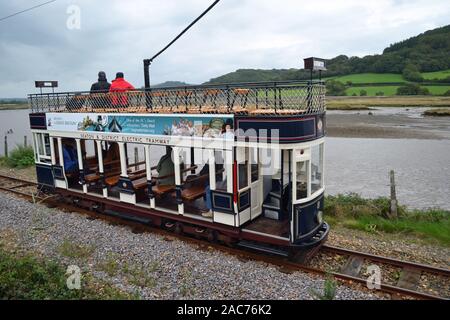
x=316 y=168
x=42 y=147
x=302 y=179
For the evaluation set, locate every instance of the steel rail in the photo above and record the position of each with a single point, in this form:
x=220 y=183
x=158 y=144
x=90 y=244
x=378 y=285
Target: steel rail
x=283 y=263
x=387 y=260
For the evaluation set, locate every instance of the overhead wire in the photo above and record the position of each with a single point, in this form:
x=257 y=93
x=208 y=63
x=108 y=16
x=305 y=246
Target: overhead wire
x=26 y=10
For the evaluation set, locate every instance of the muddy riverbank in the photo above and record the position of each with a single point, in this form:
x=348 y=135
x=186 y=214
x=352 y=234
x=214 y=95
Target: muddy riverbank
x=397 y=123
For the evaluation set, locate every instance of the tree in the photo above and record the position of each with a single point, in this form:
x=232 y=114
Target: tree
x=335 y=88
x=412 y=89
x=411 y=73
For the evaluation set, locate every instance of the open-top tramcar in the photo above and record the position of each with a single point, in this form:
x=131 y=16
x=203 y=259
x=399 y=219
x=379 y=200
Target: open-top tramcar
x=239 y=163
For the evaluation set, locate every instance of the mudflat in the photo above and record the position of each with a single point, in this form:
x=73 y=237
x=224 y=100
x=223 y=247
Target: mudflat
x=385 y=122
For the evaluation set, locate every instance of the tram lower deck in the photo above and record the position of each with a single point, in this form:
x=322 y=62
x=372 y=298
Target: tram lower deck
x=235 y=177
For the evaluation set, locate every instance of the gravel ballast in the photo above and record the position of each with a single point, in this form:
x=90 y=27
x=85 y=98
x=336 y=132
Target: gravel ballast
x=146 y=264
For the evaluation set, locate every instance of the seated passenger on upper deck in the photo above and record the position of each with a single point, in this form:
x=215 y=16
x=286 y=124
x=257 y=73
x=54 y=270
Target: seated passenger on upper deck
x=70 y=157
x=120 y=85
x=166 y=168
x=102 y=85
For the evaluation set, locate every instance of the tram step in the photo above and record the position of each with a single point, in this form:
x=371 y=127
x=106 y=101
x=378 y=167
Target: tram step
x=127 y=217
x=271 y=206
x=275 y=194
x=262 y=248
x=271 y=201
x=272 y=214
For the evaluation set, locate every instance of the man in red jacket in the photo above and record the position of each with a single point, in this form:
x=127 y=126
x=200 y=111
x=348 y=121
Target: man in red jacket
x=120 y=85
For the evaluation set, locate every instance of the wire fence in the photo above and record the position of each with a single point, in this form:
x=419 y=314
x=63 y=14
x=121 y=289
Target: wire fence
x=274 y=97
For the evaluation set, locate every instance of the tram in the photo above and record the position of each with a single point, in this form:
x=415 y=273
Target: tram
x=238 y=163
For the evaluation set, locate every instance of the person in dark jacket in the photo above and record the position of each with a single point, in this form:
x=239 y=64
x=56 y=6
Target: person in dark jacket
x=120 y=85
x=102 y=85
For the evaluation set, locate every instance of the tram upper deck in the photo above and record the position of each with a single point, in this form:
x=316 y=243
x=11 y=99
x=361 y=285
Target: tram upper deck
x=252 y=99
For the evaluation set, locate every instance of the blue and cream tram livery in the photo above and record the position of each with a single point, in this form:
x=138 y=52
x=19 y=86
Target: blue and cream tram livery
x=238 y=163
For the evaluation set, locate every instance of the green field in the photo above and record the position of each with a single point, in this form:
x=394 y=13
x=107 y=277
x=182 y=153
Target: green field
x=370 y=78
x=392 y=90
x=387 y=77
x=436 y=75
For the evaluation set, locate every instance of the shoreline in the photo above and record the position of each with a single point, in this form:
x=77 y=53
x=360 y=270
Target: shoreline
x=353 y=103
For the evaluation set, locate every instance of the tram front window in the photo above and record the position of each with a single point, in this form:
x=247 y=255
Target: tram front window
x=316 y=168
x=302 y=179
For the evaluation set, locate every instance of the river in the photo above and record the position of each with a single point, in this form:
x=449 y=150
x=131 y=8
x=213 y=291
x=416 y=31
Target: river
x=360 y=165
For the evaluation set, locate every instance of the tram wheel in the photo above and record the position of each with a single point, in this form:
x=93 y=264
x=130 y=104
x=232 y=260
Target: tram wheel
x=212 y=236
x=178 y=228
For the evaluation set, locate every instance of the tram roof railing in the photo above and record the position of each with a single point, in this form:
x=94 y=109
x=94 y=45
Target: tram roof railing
x=287 y=97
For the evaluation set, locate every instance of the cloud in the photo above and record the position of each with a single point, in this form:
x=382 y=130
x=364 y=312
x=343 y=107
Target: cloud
x=117 y=35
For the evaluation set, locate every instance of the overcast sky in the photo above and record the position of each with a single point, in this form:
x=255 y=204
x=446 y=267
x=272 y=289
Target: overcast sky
x=115 y=35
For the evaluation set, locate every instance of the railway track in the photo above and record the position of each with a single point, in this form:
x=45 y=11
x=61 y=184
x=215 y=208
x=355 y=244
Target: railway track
x=349 y=270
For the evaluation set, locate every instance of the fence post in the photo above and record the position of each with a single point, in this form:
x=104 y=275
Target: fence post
x=25 y=143
x=393 y=207
x=6 y=145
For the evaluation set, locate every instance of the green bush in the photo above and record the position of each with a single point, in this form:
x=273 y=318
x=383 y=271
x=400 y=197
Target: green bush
x=447 y=93
x=363 y=93
x=379 y=93
x=21 y=157
x=335 y=88
x=412 y=89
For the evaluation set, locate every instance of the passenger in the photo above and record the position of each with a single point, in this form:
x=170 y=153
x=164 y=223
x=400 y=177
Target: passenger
x=70 y=157
x=120 y=85
x=166 y=167
x=227 y=131
x=219 y=184
x=102 y=85
x=208 y=201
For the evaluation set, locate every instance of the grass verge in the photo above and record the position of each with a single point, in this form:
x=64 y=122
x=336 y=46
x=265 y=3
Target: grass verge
x=371 y=215
x=23 y=276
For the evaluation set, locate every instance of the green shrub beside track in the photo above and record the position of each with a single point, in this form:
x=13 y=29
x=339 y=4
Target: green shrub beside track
x=370 y=215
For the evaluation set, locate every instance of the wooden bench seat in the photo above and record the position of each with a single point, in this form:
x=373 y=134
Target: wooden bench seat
x=160 y=190
x=92 y=177
x=140 y=183
x=193 y=193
